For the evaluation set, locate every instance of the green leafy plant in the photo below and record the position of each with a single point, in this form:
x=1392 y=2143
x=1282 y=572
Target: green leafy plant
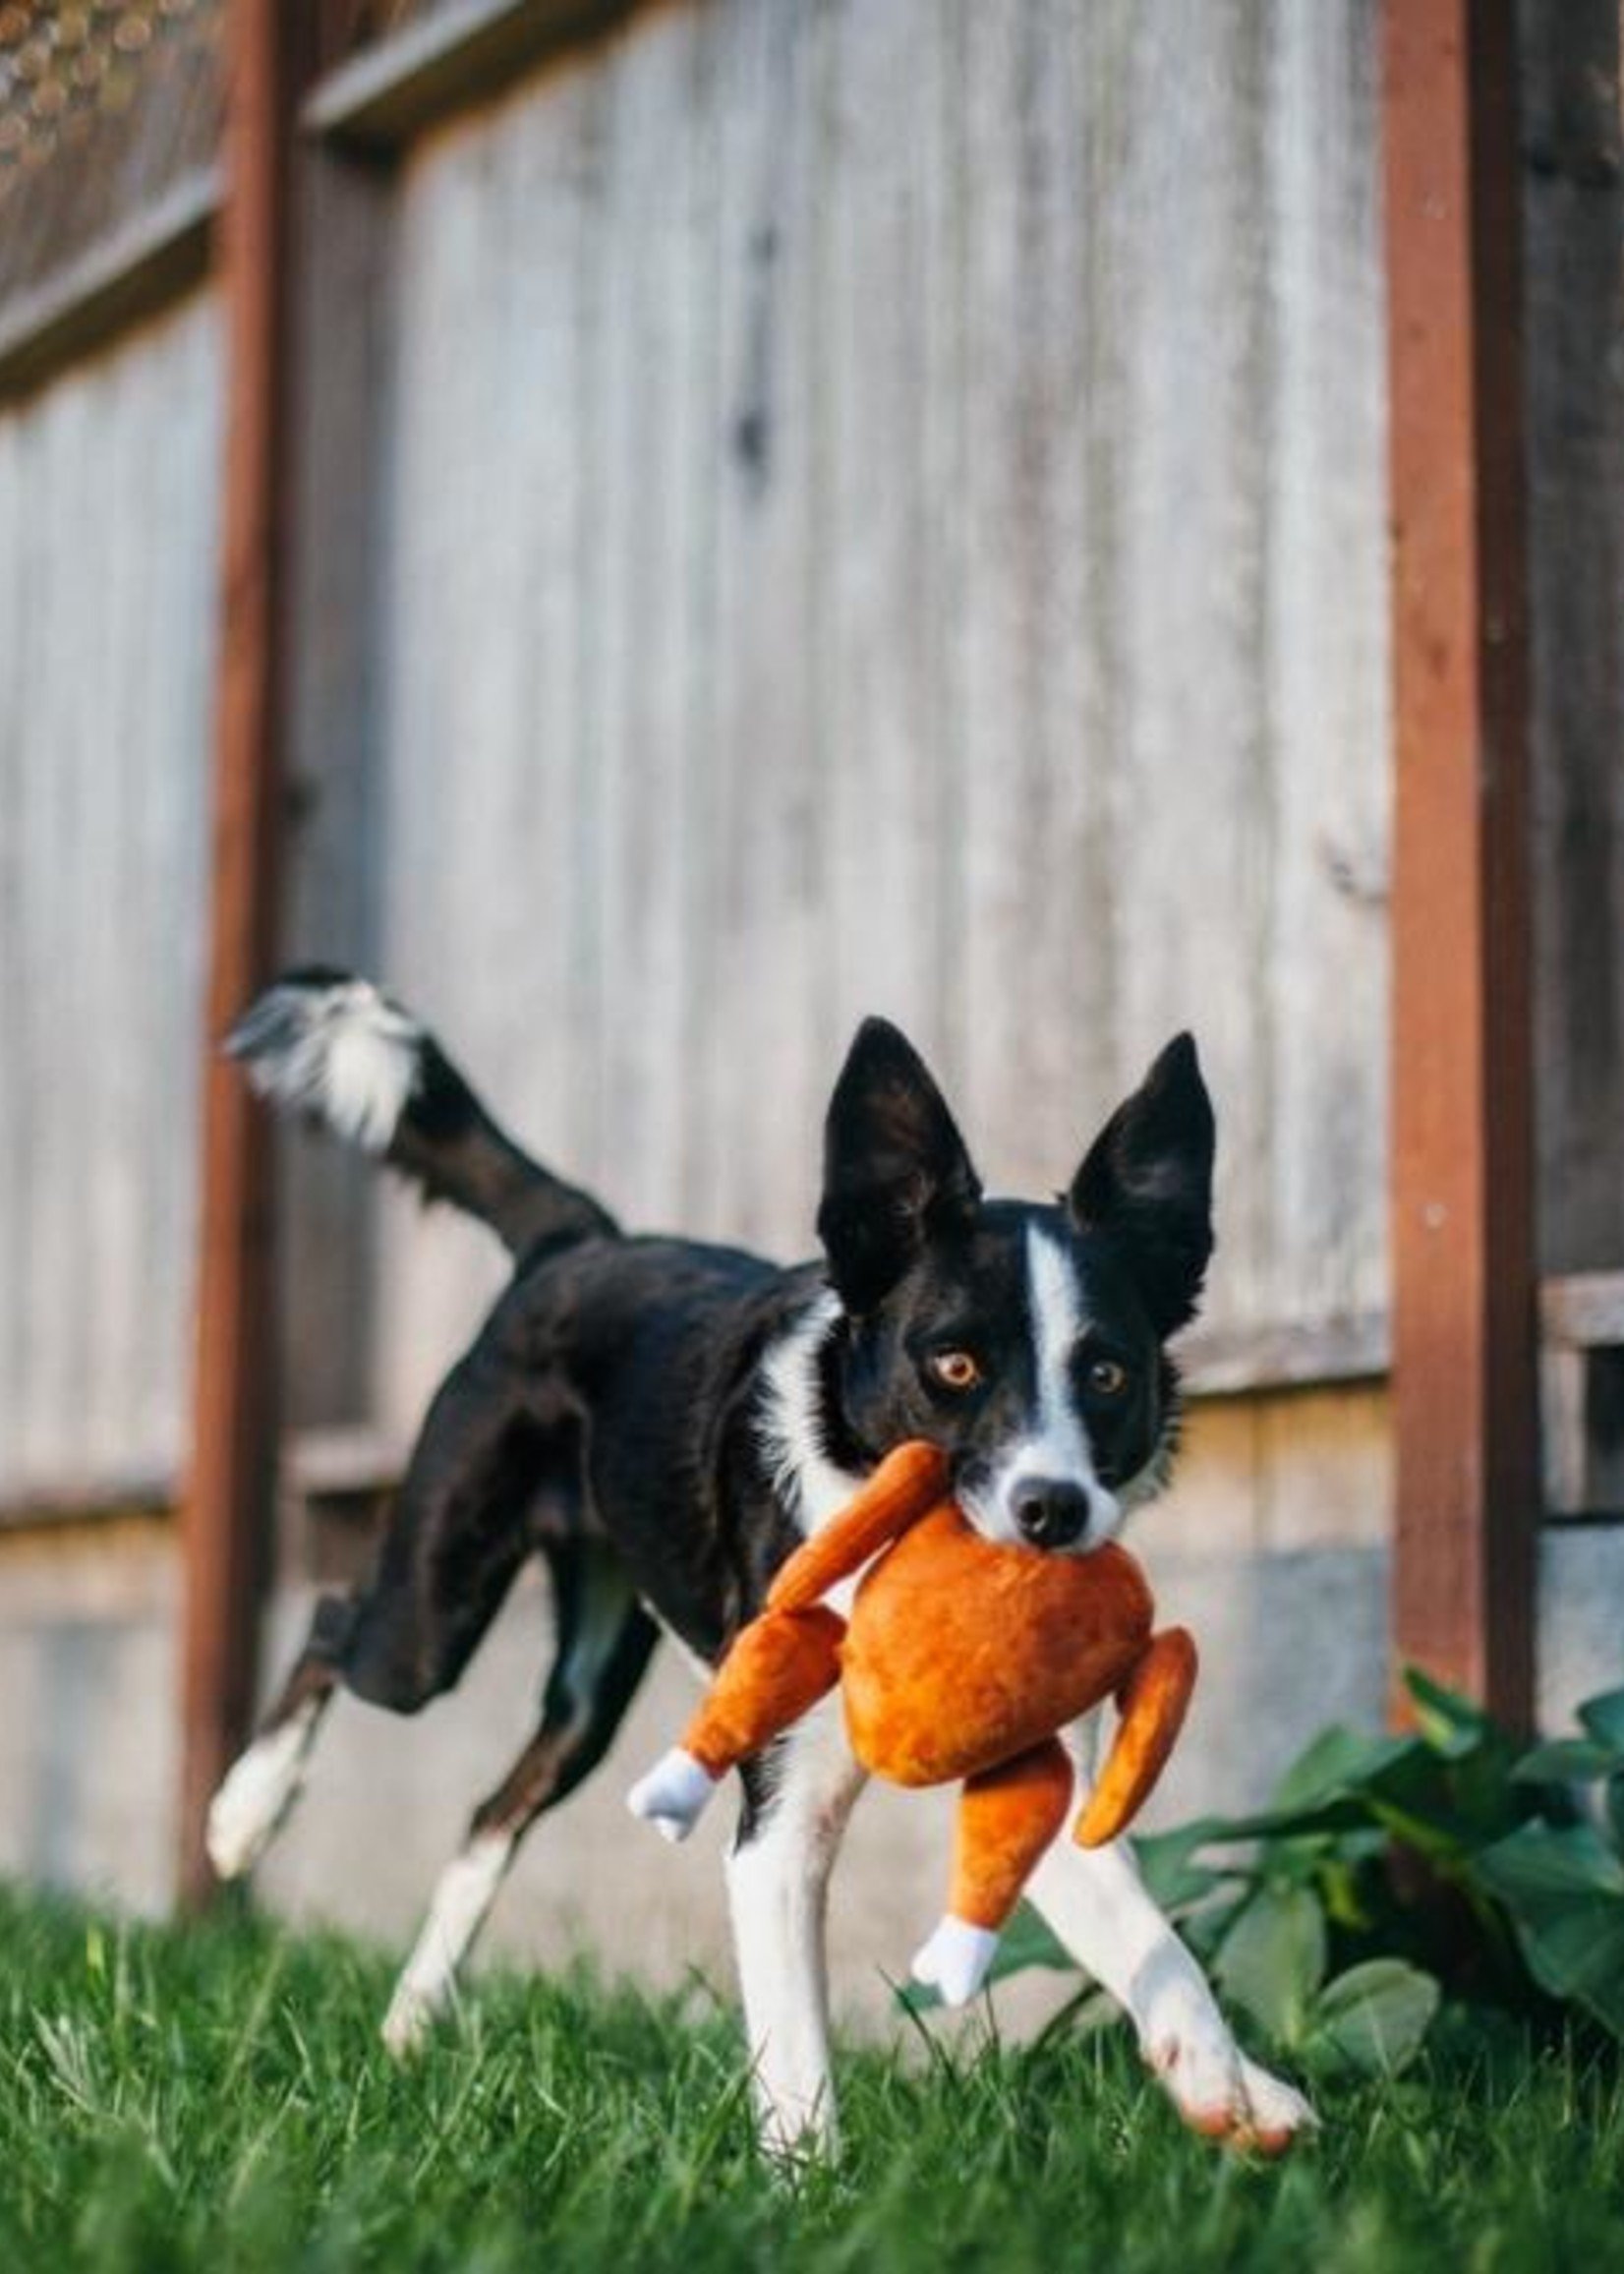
x=1394 y=1876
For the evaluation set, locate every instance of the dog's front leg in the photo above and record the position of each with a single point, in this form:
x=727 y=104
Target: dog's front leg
x=1099 y=1907
x=778 y=1884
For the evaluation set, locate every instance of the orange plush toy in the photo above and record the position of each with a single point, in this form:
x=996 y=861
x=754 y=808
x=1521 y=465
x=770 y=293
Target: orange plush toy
x=962 y=1659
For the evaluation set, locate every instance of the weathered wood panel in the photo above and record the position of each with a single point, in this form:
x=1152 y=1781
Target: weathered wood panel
x=498 y=727
x=884 y=509
x=108 y=509
x=1573 y=219
x=340 y=537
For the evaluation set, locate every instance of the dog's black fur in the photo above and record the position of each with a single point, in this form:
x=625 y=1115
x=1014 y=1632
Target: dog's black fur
x=612 y=1406
x=660 y=1421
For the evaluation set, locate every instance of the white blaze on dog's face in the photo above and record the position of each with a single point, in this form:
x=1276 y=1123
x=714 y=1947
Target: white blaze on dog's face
x=1026 y=1340
x=1046 y=1487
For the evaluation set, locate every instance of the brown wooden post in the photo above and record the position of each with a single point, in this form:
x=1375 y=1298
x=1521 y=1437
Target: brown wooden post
x=229 y=1500
x=1464 y=1315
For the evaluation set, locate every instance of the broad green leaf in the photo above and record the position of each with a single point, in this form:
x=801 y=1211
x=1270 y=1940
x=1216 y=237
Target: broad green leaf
x=1612 y=1809
x=1027 y=1941
x=1446 y=1805
x=1436 y=1832
x=1320 y=1772
x=1565 y=1892
x=1541 y=1866
x=1577 y=1951
x=1167 y=1864
x=1372 y=2018
x=1566 y=1761
x=1347 y=1812
x=1481 y=1792
x=1450 y=1723
x=1272 y=1960
x=1342 y=1891
x=1204 y=1926
x=1450 y=1803
x=1331 y=1787
x=1336 y=1762
x=1603 y=1719
x=1299 y=1858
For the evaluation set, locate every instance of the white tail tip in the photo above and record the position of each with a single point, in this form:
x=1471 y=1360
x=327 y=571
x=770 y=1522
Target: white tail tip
x=336 y=1047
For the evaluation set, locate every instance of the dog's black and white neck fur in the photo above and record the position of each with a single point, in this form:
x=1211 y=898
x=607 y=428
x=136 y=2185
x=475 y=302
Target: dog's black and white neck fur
x=660 y=1421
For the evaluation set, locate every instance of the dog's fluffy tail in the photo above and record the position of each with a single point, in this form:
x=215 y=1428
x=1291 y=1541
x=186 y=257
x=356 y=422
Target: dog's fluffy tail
x=336 y=1048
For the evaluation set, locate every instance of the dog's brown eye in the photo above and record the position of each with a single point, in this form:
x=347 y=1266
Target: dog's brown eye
x=955 y=1369
x=1106 y=1379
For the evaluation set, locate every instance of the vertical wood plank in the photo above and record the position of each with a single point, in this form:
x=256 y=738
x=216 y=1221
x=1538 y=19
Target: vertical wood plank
x=1324 y=680
x=101 y=919
x=175 y=846
x=446 y=603
x=1573 y=205
x=110 y=1203
x=878 y=760
x=233 y=1457
x=449 y=620
x=1192 y=777
x=13 y=964
x=758 y=1045
x=791 y=553
x=1463 y=1273
x=1035 y=609
x=52 y=1233
x=657 y=484
x=553 y=178
x=327 y=1194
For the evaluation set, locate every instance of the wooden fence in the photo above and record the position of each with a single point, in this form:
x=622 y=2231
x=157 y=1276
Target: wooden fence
x=800 y=509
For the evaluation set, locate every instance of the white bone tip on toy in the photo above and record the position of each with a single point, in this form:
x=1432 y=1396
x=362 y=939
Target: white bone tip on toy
x=955 y=1961
x=673 y=1795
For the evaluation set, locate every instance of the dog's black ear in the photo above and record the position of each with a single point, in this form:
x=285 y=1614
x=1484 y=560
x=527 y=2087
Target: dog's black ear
x=1147 y=1180
x=895 y=1166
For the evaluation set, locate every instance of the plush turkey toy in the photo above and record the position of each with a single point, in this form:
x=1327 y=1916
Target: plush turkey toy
x=962 y=1659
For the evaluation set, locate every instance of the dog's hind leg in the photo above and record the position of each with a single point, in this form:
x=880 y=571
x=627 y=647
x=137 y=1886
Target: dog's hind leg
x=798 y=1799
x=264 y=1783
x=605 y=1638
x=457 y=1536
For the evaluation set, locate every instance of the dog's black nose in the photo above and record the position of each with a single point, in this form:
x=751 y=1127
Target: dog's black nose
x=1049 y=1513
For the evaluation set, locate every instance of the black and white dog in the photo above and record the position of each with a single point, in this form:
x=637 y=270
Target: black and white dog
x=659 y=1421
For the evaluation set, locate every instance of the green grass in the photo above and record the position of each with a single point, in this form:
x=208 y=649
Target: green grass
x=215 y=2098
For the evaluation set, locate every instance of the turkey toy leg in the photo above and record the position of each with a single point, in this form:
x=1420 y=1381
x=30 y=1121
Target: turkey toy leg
x=1007 y=1817
x=906 y=1484
x=1152 y=1703
x=779 y=1667
x=777 y=1671
x=784 y=1661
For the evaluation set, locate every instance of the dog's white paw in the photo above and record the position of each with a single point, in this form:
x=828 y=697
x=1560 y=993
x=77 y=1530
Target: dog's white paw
x=672 y=1795
x=1218 y=2091
x=261 y=1787
x=1276 y=2112
x=408 y=2021
x=955 y=1961
x=794 y=2135
x=1200 y=2068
